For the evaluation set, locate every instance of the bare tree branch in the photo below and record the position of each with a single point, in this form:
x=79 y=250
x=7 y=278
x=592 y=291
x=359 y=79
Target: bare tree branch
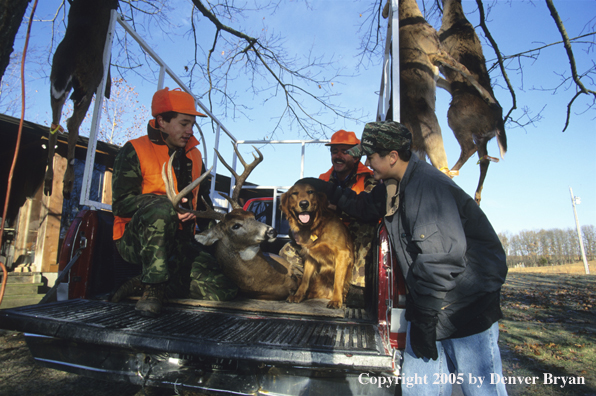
x=493 y=43
x=302 y=82
x=575 y=76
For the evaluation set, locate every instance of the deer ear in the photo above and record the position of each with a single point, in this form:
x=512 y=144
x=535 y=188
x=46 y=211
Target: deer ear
x=209 y=237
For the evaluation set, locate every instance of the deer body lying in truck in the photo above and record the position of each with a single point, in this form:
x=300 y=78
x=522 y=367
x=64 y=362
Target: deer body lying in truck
x=77 y=65
x=472 y=120
x=238 y=236
x=258 y=275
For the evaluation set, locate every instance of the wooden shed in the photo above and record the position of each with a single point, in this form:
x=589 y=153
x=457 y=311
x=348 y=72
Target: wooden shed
x=35 y=224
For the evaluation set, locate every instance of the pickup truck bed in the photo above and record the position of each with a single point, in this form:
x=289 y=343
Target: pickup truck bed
x=263 y=349
x=240 y=347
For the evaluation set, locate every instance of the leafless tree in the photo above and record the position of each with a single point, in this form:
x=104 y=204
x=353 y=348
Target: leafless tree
x=11 y=15
x=304 y=82
x=589 y=236
x=580 y=82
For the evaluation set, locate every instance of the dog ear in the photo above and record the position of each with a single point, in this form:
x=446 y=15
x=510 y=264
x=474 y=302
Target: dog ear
x=284 y=202
x=322 y=200
x=210 y=236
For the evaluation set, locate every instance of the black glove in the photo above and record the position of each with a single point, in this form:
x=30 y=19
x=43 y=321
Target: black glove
x=423 y=333
x=319 y=185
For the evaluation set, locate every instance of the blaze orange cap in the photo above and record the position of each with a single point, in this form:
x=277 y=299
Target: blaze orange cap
x=176 y=100
x=343 y=137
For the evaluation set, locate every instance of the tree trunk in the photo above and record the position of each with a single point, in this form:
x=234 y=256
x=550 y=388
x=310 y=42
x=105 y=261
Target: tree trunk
x=11 y=15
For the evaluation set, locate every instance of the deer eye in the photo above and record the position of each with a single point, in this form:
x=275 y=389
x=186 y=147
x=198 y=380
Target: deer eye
x=236 y=226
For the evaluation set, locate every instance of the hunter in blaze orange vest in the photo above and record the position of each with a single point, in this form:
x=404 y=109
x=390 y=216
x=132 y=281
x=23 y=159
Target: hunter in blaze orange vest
x=152 y=157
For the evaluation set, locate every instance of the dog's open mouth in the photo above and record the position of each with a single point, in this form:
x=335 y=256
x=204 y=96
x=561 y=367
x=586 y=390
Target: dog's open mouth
x=304 y=217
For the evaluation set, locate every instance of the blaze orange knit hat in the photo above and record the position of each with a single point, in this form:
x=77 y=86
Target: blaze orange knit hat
x=343 y=137
x=176 y=100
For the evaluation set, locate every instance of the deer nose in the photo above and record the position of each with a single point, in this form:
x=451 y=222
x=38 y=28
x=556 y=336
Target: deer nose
x=271 y=233
x=303 y=205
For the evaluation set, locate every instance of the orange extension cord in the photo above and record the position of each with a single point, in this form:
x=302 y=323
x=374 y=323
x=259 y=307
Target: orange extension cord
x=16 y=151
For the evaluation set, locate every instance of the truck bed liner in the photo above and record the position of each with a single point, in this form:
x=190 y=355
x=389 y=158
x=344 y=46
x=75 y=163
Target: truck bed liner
x=202 y=331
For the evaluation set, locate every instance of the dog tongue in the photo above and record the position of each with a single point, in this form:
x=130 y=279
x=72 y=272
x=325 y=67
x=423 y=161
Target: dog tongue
x=304 y=217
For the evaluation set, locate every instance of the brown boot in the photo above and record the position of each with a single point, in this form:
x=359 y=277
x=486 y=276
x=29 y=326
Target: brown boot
x=132 y=287
x=152 y=300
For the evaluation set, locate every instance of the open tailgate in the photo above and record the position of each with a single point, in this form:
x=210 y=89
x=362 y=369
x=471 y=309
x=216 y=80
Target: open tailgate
x=289 y=341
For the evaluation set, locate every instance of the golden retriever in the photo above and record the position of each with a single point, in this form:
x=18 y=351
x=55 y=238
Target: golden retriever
x=325 y=242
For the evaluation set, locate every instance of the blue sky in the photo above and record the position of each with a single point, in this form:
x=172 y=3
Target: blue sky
x=528 y=190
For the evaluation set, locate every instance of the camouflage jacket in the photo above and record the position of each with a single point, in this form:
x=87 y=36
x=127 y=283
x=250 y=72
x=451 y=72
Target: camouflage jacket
x=127 y=179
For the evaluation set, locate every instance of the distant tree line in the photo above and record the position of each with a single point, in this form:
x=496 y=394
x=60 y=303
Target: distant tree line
x=548 y=247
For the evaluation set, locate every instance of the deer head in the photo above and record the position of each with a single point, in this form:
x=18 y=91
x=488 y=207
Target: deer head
x=238 y=236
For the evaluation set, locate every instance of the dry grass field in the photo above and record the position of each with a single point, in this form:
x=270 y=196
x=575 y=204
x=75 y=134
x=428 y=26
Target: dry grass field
x=575 y=268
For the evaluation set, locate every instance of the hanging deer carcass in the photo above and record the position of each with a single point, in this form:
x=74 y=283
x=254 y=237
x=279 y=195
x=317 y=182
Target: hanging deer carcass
x=472 y=120
x=420 y=55
x=238 y=236
x=77 y=65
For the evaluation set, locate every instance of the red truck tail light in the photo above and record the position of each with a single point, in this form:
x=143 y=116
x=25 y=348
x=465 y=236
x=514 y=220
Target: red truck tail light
x=392 y=292
x=76 y=283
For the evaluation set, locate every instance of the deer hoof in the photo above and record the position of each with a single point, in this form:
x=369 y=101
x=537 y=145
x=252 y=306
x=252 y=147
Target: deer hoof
x=47 y=187
x=68 y=182
x=66 y=191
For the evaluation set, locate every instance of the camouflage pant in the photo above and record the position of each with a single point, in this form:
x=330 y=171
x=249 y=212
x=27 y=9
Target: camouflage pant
x=152 y=240
x=362 y=235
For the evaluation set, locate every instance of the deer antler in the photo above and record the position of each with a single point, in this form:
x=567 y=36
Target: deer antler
x=168 y=179
x=248 y=168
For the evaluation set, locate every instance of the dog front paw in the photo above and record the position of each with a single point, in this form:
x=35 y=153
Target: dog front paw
x=333 y=304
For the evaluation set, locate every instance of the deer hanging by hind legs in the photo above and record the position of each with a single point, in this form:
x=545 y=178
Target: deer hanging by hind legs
x=421 y=54
x=77 y=65
x=418 y=74
x=473 y=121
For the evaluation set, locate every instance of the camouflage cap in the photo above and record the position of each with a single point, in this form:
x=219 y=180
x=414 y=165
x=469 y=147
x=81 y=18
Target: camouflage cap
x=382 y=135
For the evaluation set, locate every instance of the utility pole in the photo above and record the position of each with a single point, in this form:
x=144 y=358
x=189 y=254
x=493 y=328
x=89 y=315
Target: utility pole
x=575 y=200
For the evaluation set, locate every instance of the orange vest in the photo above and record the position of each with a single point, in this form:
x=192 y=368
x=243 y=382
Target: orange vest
x=362 y=173
x=152 y=157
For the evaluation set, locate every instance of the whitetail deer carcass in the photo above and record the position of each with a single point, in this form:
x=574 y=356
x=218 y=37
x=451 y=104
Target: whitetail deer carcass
x=420 y=55
x=238 y=236
x=473 y=121
x=418 y=44
x=77 y=65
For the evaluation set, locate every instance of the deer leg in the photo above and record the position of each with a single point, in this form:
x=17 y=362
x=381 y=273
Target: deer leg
x=467 y=145
x=57 y=105
x=446 y=60
x=73 y=124
x=484 y=162
x=433 y=142
x=49 y=176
